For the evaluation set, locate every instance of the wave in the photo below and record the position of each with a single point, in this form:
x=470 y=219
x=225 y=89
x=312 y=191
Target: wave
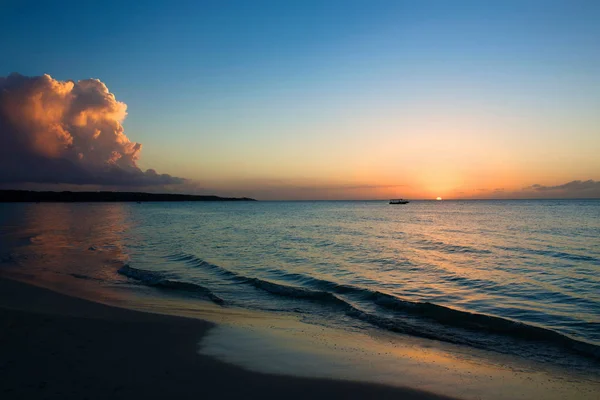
x=268 y=286
x=293 y=291
x=86 y=277
x=451 y=317
x=423 y=319
x=554 y=254
x=157 y=280
x=426 y=244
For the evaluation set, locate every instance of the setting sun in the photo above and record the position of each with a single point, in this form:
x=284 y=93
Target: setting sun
x=439 y=198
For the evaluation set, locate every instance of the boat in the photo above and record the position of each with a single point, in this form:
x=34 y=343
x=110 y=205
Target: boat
x=399 y=201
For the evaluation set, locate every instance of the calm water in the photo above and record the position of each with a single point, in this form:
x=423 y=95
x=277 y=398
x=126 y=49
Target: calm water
x=518 y=277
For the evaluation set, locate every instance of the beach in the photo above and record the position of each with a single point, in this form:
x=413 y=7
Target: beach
x=336 y=299
x=56 y=346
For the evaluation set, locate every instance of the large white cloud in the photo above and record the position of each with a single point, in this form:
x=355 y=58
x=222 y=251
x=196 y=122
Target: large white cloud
x=67 y=132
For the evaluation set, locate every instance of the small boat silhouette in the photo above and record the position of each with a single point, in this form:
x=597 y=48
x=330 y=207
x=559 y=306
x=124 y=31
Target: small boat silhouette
x=399 y=201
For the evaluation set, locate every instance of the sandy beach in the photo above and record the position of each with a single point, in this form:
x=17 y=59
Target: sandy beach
x=56 y=346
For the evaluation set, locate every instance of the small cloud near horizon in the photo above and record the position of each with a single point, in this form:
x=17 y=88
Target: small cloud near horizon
x=589 y=187
x=67 y=132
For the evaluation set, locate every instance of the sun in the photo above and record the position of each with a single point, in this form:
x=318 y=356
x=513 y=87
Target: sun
x=439 y=198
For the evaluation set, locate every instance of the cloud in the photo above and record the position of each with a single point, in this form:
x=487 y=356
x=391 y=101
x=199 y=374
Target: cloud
x=589 y=187
x=577 y=189
x=574 y=189
x=67 y=132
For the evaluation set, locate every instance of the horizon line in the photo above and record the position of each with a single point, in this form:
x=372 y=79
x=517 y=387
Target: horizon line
x=307 y=200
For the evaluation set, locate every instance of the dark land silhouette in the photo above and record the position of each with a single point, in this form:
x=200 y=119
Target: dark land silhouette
x=20 y=196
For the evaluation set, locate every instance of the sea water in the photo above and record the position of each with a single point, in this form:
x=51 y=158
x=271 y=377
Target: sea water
x=519 y=277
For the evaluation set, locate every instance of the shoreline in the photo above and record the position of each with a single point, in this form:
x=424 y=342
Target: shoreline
x=58 y=346
x=30 y=196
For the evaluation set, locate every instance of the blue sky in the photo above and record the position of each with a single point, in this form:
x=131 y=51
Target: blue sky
x=308 y=93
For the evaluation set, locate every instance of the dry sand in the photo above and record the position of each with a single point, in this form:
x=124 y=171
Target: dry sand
x=56 y=346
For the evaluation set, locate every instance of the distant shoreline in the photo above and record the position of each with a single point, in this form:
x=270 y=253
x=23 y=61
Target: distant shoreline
x=29 y=196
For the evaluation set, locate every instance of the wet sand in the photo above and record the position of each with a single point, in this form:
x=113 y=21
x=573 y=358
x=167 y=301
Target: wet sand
x=56 y=346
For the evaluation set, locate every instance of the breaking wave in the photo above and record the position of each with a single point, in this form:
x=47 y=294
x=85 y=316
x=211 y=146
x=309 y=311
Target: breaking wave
x=156 y=279
x=421 y=319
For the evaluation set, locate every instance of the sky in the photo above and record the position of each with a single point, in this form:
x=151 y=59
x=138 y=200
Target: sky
x=303 y=99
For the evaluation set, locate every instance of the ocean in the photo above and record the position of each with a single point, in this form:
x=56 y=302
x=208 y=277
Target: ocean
x=515 y=277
